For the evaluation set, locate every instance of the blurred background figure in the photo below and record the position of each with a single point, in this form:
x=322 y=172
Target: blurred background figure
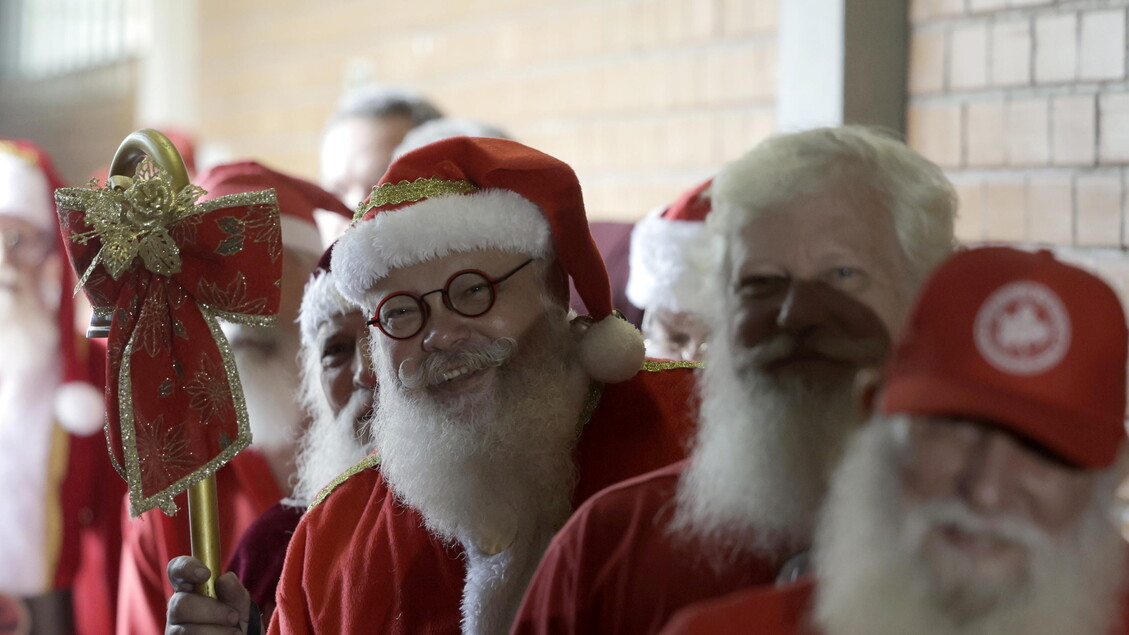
x=361 y=135
x=267 y=360
x=59 y=531
x=669 y=260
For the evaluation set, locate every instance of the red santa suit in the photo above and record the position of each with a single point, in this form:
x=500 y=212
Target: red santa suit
x=362 y=562
x=782 y=610
x=770 y=610
x=616 y=566
x=59 y=530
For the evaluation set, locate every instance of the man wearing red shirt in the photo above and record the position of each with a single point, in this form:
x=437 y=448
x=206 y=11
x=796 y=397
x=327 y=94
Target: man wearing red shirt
x=821 y=237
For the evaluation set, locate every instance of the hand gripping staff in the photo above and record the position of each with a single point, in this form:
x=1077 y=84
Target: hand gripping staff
x=160 y=271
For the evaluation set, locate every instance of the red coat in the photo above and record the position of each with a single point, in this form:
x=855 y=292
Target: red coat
x=769 y=610
x=246 y=488
x=362 y=563
x=766 y=610
x=90 y=496
x=615 y=567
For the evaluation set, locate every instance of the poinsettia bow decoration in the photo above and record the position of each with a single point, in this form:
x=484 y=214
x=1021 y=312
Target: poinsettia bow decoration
x=166 y=268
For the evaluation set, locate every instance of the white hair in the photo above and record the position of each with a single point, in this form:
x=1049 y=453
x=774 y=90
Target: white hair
x=875 y=580
x=329 y=445
x=860 y=163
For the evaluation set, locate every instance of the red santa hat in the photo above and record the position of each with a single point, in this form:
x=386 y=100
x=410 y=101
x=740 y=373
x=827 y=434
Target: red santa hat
x=298 y=199
x=28 y=181
x=467 y=193
x=670 y=254
x=1022 y=341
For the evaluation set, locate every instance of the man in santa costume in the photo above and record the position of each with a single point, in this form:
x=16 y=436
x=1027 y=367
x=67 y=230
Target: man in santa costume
x=59 y=532
x=497 y=413
x=670 y=255
x=337 y=391
x=266 y=358
x=821 y=238
x=980 y=498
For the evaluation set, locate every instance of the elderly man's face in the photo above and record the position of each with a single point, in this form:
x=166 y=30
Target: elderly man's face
x=674 y=334
x=356 y=152
x=823 y=274
x=998 y=478
x=345 y=367
x=517 y=307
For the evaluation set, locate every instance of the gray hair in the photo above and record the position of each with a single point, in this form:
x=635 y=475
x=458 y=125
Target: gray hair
x=375 y=101
x=861 y=163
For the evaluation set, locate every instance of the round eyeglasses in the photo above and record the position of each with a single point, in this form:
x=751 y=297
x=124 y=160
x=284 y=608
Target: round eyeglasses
x=469 y=293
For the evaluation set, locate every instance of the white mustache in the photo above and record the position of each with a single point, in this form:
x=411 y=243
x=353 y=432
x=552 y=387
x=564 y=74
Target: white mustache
x=443 y=366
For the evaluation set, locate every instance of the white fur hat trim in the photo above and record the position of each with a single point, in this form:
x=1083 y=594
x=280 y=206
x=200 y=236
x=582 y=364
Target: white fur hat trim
x=320 y=302
x=669 y=263
x=433 y=228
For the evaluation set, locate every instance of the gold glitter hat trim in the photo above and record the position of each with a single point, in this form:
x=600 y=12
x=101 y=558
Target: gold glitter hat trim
x=410 y=192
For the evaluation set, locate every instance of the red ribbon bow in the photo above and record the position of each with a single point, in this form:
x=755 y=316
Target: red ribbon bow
x=166 y=270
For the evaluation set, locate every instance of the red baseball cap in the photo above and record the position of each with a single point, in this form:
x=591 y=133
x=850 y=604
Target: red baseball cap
x=1022 y=341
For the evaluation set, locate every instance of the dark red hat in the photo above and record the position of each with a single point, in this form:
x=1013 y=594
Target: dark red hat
x=1019 y=340
x=298 y=199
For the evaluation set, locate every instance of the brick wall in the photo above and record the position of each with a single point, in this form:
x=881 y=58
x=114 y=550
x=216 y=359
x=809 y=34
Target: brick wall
x=644 y=98
x=1025 y=104
x=79 y=118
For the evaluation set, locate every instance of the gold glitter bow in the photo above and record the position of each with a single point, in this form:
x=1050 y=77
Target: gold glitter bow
x=134 y=222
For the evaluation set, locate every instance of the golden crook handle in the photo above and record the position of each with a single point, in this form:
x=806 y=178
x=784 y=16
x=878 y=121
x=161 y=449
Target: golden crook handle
x=138 y=145
x=158 y=148
x=203 y=508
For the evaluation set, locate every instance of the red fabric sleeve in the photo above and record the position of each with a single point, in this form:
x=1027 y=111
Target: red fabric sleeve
x=246 y=488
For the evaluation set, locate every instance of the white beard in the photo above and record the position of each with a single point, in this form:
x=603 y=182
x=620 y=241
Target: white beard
x=875 y=578
x=762 y=460
x=489 y=471
x=330 y=446
x=270 y=385
x=30 y=334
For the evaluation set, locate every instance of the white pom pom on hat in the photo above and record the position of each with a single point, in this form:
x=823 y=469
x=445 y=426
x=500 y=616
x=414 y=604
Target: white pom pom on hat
x=466 y=193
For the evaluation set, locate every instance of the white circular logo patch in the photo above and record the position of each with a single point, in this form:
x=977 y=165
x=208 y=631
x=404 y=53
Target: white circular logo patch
x=1022 y=328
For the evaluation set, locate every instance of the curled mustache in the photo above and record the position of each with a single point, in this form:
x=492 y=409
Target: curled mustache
x=782 y=347
x=473 y=357
x=1004 y=529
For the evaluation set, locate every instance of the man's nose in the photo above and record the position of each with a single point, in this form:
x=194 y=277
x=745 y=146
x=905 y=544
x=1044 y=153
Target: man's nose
x=804 y=306
x=991 y=472
x=363 y=374
x=444 y=329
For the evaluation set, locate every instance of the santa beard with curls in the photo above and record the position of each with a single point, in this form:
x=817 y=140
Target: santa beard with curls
x=492 y=470
x=877 y=577
x=766 y=447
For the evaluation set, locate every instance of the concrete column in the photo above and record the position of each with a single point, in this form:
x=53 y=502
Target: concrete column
x=840 y=62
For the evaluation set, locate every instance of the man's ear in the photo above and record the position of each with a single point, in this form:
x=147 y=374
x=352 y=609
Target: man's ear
x=868 y=382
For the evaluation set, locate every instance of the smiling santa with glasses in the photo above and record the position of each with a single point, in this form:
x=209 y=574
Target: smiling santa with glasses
x=499 y=411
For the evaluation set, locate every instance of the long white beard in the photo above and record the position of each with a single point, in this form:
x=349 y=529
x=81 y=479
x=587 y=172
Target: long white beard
x=329 y=447
x=30 y=334
x=876 y=580
x=270 y=386
x=489 y=471
x=762 y=459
